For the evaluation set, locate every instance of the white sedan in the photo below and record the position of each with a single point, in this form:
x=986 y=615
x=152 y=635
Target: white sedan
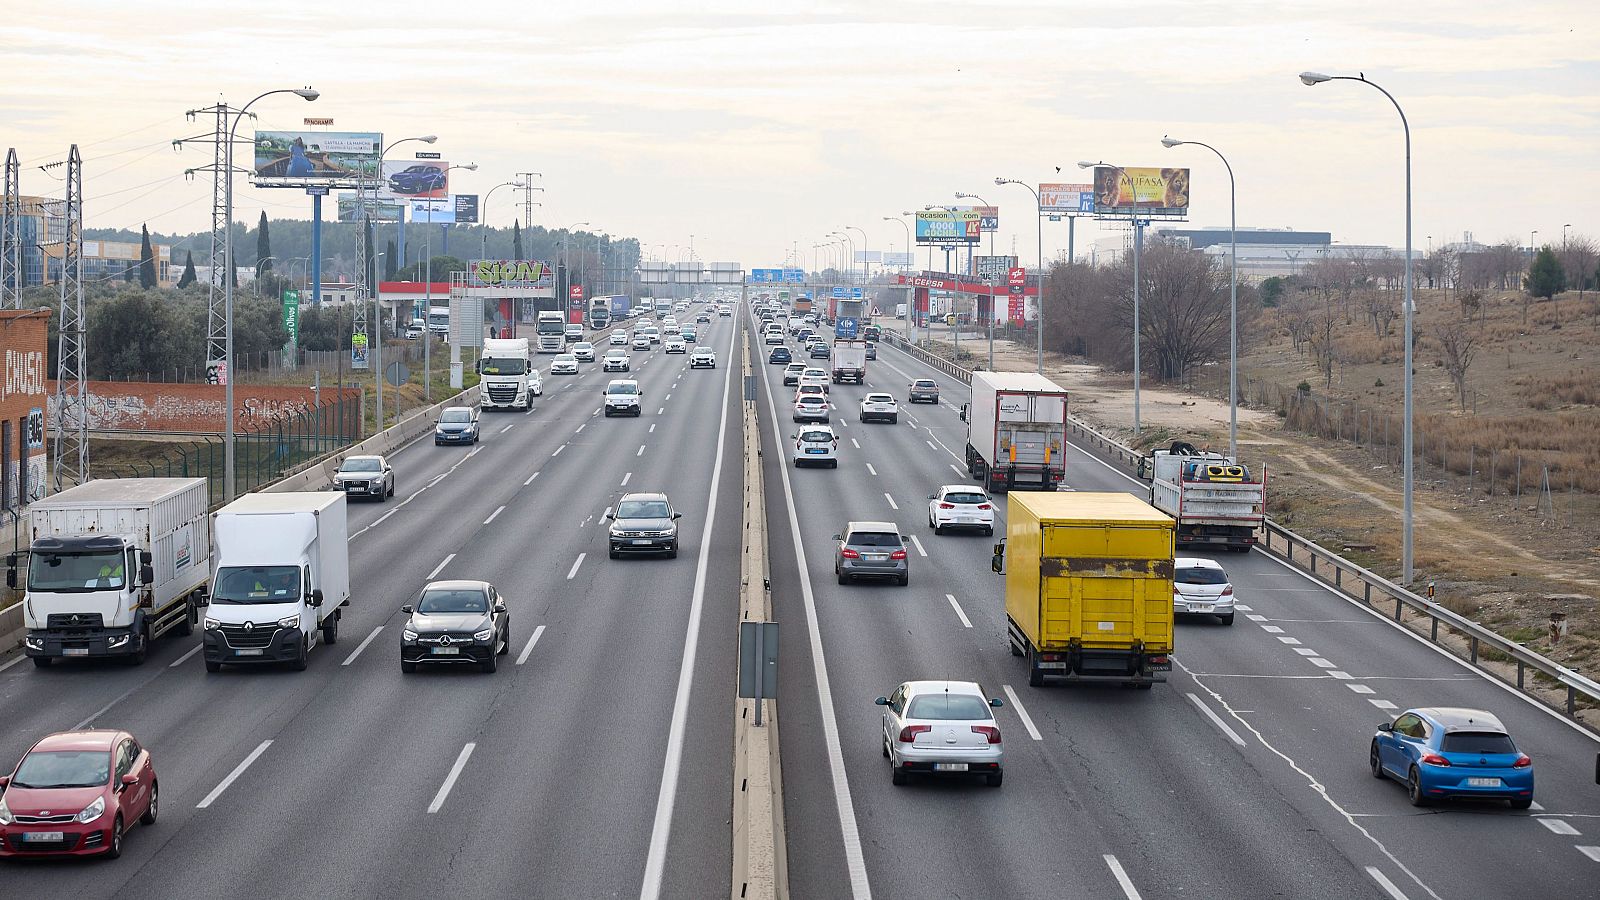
x=816 y=445
x=619 y=338
x=564 y=364
x=703 y=356
x=641 y=342
x=941 y=728
x=960 y=506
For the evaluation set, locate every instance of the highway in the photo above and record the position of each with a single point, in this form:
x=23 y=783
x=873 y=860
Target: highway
x=541 y=780
x=598 y=761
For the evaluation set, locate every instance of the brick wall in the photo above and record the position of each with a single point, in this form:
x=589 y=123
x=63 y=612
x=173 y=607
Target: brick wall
x=150 y=406
x=24 y=337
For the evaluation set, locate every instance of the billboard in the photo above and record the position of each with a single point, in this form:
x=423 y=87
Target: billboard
x=435 y=212
x=1155 y=191
x=939 y=226
x=296 y=158
x=422 y=179
x=466 y=209
x=382 y=211
x=992 y=267
x=896 y=259
x=1066 y=199
x=510 y=273
x=988 y=216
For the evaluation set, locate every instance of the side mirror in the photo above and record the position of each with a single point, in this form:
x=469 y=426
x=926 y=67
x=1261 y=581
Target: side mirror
x=129 y=780
x=202 y=600
x=882 y=701
x=837 y=538
x=963 y=412
x=500 y=606
x=607 y=514
x=1386 y=727
x=11 y=560
x=677 y=515
x=408 y=609
x=316 y=598
x=996 y=702
x=146 y=557
x=933 y=496
x=905 y=537
x=998 y=563
x=147 y=575
x=4 y=780
x=11 y=577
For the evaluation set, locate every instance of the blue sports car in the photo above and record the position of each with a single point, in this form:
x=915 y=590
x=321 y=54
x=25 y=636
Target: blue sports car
x=1445 y=753
x=420 y=179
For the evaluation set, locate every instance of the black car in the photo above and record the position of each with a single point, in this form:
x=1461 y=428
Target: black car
x=819 y=350
x=644 y=523
x=779 y=355
x=456 y=622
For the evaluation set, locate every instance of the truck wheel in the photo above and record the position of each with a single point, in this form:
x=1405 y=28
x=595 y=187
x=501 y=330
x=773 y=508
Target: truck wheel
x=42 y=662
x=298 y=663
x=185 y=626
x=1035 y=674
x=1015 y=650
x=330 y=629
x=213 y=666
x=142 y=649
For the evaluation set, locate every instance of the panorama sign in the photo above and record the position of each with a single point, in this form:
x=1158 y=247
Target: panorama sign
x=510 y=273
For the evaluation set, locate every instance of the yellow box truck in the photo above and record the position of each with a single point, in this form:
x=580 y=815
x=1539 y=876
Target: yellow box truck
x=1088 y=586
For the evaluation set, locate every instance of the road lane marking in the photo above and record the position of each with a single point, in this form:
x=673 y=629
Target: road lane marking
x=363 y=645
x=581 y=428
x=1383 y=704
x=842 y=423
x=856 y=442
x=440 y=567
x=652 y=428
x=380 y=519
x=1272 y=629
x=918 y=545
x=12 y=663
x=173 y=665
x=575 y=564
x=957 y=469
x=641 y=450
x=1305 y=651
x=1027 y=720
x=1558 y=826
x=234 y=775
x=450 y=780
x=1591 y=852
x=871 y=470
x=1241 y=607
x=1289 y=640
x=661 y=410
x=892 y=504
x=508 y=428
x=1215 y=719
x=1117 y=872
x=475 y=452
x=1342 y=676
x=534 y=639
x=496 y=513
x=625 y=478
x=530 y=479
x=1384 y=882
x=1360 y=688
x=930 y=445
x=960 y=614
x=1319 y=662
x=1254 y=617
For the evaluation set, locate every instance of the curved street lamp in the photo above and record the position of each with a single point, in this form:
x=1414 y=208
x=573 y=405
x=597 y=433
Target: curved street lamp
x=1038 y=312
x=1138 y=240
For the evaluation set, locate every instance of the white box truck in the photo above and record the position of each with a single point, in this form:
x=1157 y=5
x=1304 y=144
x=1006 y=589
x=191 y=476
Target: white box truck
x=1214 y=497
x=1016 y=431
x=282 y=574
x=509 y=379
x=849 y=362
x=113 y=564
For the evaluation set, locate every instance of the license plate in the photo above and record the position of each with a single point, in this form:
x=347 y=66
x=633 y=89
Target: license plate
x=949 y=767
x=75 y=651
x=641 y=543
x=44 y=836
x=1201 y=607
x=447 y=651
x=875 y=557
x=815 y=450
x=248 y=652
x=1483 y=782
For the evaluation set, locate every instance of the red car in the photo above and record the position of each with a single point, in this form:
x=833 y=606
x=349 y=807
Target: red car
x=77 y=793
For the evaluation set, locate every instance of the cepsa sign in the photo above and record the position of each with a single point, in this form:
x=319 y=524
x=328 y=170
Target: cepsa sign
x=510 y=273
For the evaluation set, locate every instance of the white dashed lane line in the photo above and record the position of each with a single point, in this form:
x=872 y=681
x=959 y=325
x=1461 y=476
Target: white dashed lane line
x=625 y=479
x=892 y=504
x=528 y=649
x=508 y=428
x=871 y=470
x=1289 y=640
x=362 y=646
x=1027 y=720
x=440 y=567
x=450 y=780
x=1359 y=688
x=1216 y=720
x=558 y=451
x=571 y=573
x=856 y=443
x=1272 y=629
x=530 y=479
x=494 y=515
x=1383 y=705
x=1558 y=826
x=234 y=775
x=1121 y=875
x=960 y=613
x=641 y=450
x=918 y=544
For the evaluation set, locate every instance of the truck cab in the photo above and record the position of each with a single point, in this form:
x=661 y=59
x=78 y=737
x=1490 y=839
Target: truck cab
x=509 y=379
x=551 y=331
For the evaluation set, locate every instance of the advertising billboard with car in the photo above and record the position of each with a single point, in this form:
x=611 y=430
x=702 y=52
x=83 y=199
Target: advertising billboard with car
x=417 y=179
x=298 y=158
x=1161 y=192
x=941 y=226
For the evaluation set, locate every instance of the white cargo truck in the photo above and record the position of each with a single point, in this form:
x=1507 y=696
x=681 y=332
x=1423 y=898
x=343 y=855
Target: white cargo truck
x=113 y=564
x=282 y=574
x=1016 y=431
x=550 y=331
x=1214 y=497
x=509 y=379
x=849 y=362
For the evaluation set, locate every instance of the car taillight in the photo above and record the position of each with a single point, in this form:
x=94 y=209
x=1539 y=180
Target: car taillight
x=847 y=553
x=898 y=554
x=1523 y=761
x=1434 y=759
x=984 y=506
x=988 y=731
x=1227 y=591
x=947 y=506
x=910 y=732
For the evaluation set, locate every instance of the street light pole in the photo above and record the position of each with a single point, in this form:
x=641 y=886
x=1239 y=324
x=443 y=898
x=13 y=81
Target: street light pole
x=377 y=344
x=988 y=278
x=228 y=481
x=1138 y=321
x=910 y=305
x=427 y=299
x=1312 y=78
x=1233 y=295
x=1038 y=312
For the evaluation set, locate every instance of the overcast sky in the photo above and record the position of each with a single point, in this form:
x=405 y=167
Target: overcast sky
x=759 y=127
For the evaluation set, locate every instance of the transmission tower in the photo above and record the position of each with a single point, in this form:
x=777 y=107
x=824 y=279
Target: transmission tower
x=71 y=450
x=11 y=236
x=216 y=318
x=527 y=196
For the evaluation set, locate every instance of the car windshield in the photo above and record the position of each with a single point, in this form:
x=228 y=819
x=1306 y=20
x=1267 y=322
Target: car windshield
x=816 y=437
x=621 y=389
x=453 y=600
x=583 y=346
x=64 y=769
x=1477 y=742
x=248 y=585
x=504 y=365
x=642 y=509
x=456 y=416
x=810 y=400
x=965 y=497
x=874 y=539
x=361 y=465
x=96 y=571
x=925 y=383
x=565 y=358
x=1199 y=575
x=879 y=398
x=948 y=706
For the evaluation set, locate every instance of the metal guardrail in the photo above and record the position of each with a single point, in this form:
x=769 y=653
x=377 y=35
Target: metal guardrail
x=899 y=342
x=1358 y=583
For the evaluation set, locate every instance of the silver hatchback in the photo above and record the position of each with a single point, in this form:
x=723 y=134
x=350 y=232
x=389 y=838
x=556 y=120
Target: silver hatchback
x=871 y=550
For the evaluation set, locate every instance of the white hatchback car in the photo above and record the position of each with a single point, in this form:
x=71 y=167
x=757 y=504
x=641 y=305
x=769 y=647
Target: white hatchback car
x=703 y=356
x=615 y=361
x=619 y=338
x=816 y=445
x=880 y=406
x=564 y=364
x=774 y=336
x=1200 y=586
x=810 y=408
x=960 y=506
x=815 y=376
x=674 y=344
x=584 y=351
x=941 y=728
x=641 y=342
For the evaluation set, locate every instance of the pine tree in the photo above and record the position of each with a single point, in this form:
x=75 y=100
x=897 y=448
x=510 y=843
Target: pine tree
x=372 y=257
x=1545 y=277
x=147 y=259
x=516 y=240
x=188 y=276
x=263 y=246
x=391 y=261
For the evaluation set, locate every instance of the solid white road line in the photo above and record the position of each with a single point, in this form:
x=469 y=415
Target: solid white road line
x=523 y=656
x=626 y=476
x=661 y=829
x=1558 y=826
x=7 y=665
x=380 y=519
x=440 y=567
x=530 y=479
x=508 y=428
x=871 y=470
x=572 y=572
x=1027 y=720
x=173 y=665
x=892 y=504
x=363 y=645
x=918 y=544
x=234 y=775
x=1117 y=872
x=450 y=780
x=497 y=512
x=960 y=614
x=1384 y=882
x=1215 y=719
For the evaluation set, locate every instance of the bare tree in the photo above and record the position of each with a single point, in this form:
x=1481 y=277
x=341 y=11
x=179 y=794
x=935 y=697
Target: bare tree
x=1323 y=319
x=1457 y=344
x=1578 y=254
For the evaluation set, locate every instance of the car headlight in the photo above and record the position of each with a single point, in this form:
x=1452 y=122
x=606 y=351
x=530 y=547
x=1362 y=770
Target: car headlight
x=6 y=818
x=408 y=636
x=212 y=624
x=483 y=636
x=289 y=622
x=118 y=641
x=93 y=811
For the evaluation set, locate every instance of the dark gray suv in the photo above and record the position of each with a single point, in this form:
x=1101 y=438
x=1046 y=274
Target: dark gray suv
x=871 y=550
x=644 y=523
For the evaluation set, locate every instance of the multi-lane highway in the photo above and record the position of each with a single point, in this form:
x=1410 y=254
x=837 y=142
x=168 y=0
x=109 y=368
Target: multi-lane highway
x=598 y=760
